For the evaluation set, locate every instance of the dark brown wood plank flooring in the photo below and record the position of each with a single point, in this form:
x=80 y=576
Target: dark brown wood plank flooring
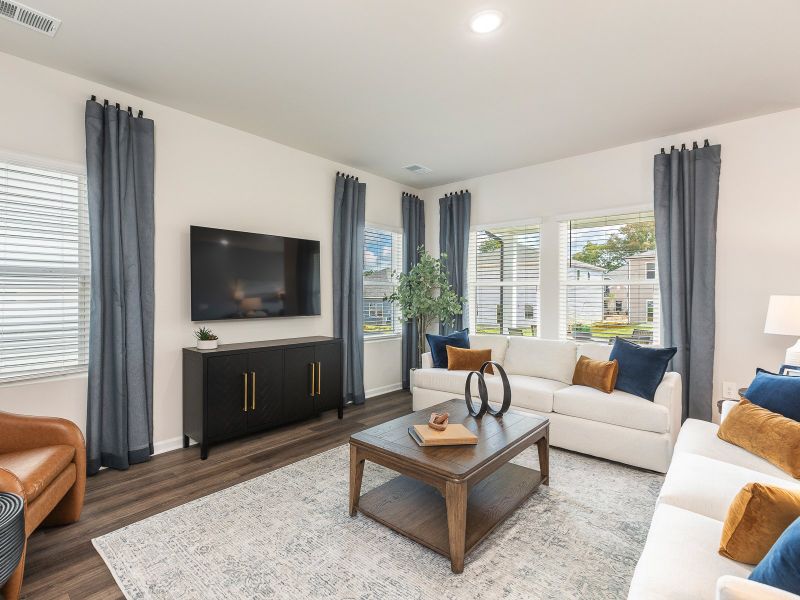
x=62 y=564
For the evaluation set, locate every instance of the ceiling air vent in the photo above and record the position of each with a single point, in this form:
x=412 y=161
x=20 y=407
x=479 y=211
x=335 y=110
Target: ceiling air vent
x=417 y=169
x=28 y=17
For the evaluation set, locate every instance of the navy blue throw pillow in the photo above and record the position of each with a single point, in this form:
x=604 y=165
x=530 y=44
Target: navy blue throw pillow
x=777 y=393
x=780 y=568
x=641 y=369
x=439 y=343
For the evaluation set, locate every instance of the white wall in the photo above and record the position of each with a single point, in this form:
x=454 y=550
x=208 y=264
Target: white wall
x=758 y=238
x=206 y=174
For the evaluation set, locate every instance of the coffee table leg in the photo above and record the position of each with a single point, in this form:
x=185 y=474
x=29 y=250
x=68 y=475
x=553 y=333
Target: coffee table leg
x=544 y=458
x=356 y=474
x=456 y=500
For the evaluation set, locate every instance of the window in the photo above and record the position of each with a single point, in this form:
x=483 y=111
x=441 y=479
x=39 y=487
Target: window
x=503 y=281
x=382 y=258
x=44 y=272
x=617 y=292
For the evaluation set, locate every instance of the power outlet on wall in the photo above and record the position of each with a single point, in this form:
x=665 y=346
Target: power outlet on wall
x=730 y=390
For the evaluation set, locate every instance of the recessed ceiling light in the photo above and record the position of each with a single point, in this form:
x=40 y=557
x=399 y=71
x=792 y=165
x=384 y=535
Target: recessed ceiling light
x=486 y=21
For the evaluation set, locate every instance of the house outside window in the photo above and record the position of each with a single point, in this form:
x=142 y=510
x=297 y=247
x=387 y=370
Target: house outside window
x=383 y=250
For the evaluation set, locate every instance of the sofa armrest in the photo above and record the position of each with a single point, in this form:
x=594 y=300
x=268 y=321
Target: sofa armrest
x=670 y=395
x=23 y=432
x=737 y=588
x=427 y=361
x=727 y=405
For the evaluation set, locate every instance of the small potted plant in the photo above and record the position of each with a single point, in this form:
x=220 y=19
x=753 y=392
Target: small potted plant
x=206 y=339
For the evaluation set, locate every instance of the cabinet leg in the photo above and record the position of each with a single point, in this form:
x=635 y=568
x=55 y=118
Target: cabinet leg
x=203 y=451
x=341 y=411
x=185 y=441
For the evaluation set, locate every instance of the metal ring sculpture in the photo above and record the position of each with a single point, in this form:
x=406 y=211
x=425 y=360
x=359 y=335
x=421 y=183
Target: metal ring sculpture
x=483 y=392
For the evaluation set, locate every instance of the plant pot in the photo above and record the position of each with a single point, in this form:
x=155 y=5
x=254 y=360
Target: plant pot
x=207 y=344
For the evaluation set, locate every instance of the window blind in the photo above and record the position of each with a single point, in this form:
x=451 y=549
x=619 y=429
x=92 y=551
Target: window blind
x=44 y=272
x=503 y=282
x=609 y=279
x=383 y=256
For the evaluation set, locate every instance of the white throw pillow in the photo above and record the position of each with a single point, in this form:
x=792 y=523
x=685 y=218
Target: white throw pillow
x=496 y=343
x=550 y=359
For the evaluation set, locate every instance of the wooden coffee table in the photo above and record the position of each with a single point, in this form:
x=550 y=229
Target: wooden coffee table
x=449 y=498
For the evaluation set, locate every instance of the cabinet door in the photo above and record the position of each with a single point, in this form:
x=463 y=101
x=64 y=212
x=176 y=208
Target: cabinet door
x=265 y=369
x=329 y=376
x=298 y=393
x=226 y=394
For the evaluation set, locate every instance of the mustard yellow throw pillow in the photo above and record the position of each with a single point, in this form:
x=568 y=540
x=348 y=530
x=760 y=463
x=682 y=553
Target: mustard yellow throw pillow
x=756 y=518
x=598 y=374
x=462 y=359
x=769 y=435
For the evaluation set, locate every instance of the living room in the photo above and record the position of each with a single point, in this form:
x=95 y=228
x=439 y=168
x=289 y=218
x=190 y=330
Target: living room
x=539 y=135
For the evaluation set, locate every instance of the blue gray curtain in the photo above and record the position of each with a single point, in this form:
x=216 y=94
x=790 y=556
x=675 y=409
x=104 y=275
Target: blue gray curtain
x=348 y=280
x=413 y=238
x=686 y=193
x=120 y=169
x=454 y=211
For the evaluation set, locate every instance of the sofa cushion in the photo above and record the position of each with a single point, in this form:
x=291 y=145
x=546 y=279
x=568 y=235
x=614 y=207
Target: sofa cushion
x=616 y=408
x=598 y=374
x=700 y=437
x=707 y=486
x=467 y=359
x=550 y=359
x=498 y=344
x=769 y=435
x=777 y=393
x=781 y=566
x=438 y=345
x=38 y=467
x=594 y=351
x=680 y=559
x=532 y=393
x=641 y=369
x=756 y=519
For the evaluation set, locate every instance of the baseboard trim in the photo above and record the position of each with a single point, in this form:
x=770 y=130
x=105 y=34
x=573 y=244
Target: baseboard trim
x=379 y=391
x=167 y=445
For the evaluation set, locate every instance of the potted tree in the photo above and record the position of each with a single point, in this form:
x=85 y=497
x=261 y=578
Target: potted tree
x=424 y=297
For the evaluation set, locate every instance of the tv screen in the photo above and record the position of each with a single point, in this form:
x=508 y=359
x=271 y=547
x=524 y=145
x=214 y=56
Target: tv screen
x=239 y=275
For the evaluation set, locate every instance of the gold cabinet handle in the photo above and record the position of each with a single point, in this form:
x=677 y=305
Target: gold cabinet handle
x=245 y=391
x=319 y=379
x=312 y=378
x=253 y=391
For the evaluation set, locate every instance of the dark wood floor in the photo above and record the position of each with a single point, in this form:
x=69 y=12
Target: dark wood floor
x=62 y=563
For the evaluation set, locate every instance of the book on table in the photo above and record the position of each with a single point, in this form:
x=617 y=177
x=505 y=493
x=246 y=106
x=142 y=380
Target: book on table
x=454 y=435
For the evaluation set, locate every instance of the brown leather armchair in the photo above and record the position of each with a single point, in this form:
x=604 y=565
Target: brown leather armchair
x=42 y=459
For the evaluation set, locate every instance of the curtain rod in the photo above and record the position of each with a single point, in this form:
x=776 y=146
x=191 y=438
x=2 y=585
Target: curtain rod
x=345 y=175
x=411 y=195
x=683 y=146
x=130 y=110
x=454 y=193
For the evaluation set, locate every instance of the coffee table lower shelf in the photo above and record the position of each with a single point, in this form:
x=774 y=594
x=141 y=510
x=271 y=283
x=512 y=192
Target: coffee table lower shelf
x=418 y=511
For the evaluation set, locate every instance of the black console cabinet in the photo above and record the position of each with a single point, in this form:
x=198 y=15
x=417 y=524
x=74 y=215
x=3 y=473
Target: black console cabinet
x=238 y=389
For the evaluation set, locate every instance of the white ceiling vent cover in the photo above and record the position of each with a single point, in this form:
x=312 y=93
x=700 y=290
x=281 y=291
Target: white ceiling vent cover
x=417 y=169
x=28 y=17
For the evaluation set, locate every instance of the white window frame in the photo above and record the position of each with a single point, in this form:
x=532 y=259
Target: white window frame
x=397 y=265
x=82 y=272
x=564 y=283
x=473 y=285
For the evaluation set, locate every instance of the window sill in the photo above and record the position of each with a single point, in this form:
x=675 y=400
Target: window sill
x=382 y=338
x=43 y=379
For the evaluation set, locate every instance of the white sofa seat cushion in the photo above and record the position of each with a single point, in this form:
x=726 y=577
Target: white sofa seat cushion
x=549 y=359
x=707 y=486
x=680 y=559
x=498 y=344
x=617 y=408
x=700 y=437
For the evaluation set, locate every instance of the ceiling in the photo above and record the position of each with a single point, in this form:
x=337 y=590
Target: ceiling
x=379 y=84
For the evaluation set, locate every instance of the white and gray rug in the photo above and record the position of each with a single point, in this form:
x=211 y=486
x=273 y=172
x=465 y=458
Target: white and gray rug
x=287 y=535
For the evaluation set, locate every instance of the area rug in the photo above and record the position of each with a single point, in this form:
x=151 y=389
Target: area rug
x=287 y=535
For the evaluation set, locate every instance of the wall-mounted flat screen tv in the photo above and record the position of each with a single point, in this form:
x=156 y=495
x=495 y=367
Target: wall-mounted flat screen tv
x=240 y=275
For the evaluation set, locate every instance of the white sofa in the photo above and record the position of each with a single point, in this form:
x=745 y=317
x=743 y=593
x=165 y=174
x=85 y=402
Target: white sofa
x=681 y=559
x=616 y=426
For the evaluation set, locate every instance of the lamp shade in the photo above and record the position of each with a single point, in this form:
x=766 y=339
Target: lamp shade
x=783 y=315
